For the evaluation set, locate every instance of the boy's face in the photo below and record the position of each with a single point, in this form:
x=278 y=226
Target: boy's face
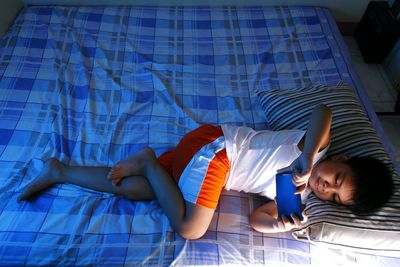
x=331 y=180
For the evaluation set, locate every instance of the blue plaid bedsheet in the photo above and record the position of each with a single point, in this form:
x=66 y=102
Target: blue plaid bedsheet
x=91 y=86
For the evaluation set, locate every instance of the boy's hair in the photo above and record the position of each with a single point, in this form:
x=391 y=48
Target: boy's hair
x=372 y=184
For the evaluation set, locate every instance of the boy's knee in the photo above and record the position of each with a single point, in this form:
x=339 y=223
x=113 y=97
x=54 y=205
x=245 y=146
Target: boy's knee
x=134 y=190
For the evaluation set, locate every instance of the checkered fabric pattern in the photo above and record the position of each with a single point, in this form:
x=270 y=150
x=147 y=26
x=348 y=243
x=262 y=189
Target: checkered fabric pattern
x=92 y=85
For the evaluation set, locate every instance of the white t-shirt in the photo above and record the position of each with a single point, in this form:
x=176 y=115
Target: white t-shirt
x=255 y=157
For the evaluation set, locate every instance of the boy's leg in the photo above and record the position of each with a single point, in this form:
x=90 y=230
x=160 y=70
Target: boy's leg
x=191 y=221
x=133 y=187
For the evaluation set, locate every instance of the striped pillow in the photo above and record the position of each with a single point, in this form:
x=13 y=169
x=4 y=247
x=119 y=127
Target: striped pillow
x=352 y=134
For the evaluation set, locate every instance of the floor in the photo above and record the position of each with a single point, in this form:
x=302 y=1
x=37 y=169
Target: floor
x=380 y=91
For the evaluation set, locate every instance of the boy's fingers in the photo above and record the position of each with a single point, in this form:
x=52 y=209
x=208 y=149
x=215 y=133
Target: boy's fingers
x=286 y=222
x=299 y=178
x=305 y=216
x=280 y=224
x=294 y=180
x=301 y=173
x=297 y=182
x=296 y=219
x=300 y=189
x=297 y=173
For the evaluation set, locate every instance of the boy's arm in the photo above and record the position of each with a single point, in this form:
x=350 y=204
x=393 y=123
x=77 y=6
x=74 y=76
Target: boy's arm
x=265 y=219
x=317 y=137
x=318 y=131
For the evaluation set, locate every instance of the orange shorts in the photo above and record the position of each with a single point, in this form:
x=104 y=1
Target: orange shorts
x=199 y=165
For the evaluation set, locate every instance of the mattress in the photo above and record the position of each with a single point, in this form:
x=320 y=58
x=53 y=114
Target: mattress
x=93 y=85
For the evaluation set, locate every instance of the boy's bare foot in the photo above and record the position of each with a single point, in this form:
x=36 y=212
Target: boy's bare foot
x=133 y=165
x=51 y=174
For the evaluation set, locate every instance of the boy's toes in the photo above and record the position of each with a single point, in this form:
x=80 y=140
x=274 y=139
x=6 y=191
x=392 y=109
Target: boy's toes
x=112 y=172
x=25 y=194
x=21 y=198
x=116 y=172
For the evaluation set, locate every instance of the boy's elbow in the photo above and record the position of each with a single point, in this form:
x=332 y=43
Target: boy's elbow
x=262 y=222
x=325 y=111
x=324 y=108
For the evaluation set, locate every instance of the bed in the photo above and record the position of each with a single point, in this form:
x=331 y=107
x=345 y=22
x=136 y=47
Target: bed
x=92 y=85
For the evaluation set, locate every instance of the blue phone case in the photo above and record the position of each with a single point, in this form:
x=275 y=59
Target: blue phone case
x=286 y=200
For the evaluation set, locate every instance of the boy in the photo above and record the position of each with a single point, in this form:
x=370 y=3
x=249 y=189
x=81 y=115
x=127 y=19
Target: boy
x=211 y=158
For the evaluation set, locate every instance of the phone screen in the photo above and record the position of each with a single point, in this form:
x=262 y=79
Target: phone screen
x=286 y=200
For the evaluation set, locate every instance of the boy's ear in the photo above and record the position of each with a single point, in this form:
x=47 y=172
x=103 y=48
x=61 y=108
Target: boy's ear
x=342 y=157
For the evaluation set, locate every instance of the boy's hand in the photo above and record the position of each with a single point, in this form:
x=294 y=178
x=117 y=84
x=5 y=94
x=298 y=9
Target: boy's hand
x=284 y=224
x=301 y=168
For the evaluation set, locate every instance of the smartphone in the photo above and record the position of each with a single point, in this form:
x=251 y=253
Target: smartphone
x=286 y=200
